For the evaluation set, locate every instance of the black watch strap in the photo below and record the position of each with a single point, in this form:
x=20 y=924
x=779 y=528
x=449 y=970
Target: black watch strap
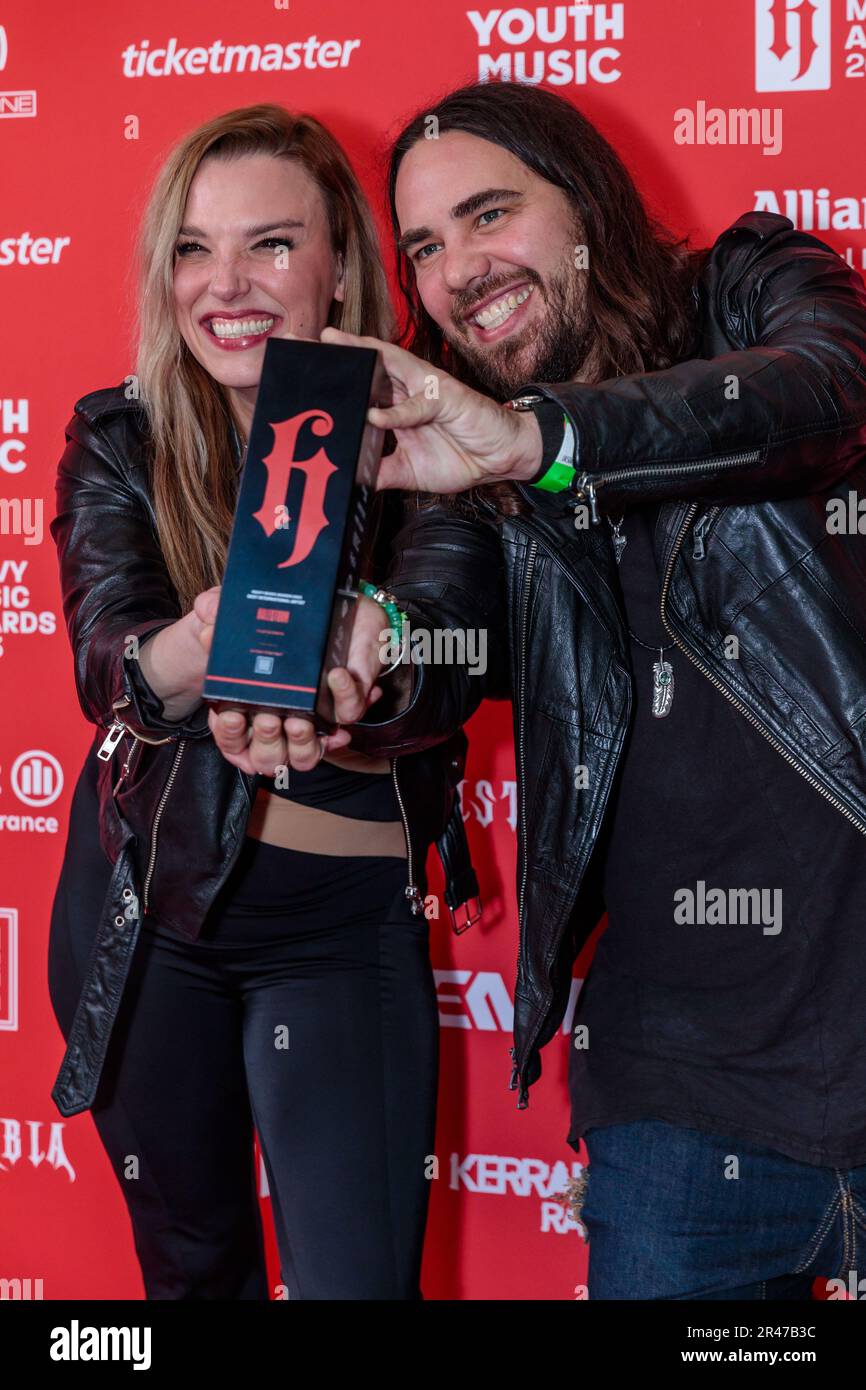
x=557 y=471
x=558 y=446
x=551 y=422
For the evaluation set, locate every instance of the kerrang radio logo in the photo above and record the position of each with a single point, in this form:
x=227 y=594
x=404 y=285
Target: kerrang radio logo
x=279 y=464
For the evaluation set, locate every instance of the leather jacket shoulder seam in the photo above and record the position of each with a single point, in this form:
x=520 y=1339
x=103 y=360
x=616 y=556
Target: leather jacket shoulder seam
x=106 y=400
x=99 y=430
x=106 y=446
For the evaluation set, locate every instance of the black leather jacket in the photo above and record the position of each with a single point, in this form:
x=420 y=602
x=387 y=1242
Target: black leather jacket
x=744 y=443
x=172 y=811
x=744 y=548
x=744 y=470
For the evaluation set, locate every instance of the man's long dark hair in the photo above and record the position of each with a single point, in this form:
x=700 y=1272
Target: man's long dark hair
x=638 y=291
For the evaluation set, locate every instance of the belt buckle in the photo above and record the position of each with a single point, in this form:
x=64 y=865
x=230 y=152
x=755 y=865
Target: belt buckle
x=473 y=908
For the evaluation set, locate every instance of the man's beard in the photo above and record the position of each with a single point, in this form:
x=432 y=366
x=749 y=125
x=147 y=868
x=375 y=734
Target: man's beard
x=558 y=346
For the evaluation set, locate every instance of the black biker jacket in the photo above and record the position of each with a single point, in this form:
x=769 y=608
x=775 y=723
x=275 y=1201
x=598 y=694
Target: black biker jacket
x=745 y=552
x=172 y=811
x=745 y=469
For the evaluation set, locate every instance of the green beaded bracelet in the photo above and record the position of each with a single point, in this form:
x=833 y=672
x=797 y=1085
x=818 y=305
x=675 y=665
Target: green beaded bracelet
x=396 y=617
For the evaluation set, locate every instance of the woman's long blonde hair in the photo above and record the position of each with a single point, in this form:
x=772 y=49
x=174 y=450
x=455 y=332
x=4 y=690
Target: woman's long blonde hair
x=193 y=468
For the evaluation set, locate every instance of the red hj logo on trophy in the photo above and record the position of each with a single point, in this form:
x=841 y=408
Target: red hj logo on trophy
x=279 y=464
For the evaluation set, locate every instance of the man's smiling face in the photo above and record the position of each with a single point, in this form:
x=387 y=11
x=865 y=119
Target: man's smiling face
x=493 y=251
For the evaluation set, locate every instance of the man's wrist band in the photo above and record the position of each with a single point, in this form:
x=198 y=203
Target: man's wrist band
x=557 y=471
x=560 y=474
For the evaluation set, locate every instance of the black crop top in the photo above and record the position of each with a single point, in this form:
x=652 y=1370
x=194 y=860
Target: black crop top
x=361 y=795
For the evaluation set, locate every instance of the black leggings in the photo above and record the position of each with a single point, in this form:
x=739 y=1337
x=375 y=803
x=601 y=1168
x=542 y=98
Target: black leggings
x=320 y=1032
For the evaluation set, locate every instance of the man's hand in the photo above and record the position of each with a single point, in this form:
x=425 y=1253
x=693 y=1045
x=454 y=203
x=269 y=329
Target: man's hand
x=449 y=437
x=261 y=740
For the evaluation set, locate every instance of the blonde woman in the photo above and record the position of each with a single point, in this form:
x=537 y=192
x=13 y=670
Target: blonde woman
x=227 y=953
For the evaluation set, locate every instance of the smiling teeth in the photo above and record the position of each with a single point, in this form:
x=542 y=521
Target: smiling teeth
x=239 y=328
x=501 y=309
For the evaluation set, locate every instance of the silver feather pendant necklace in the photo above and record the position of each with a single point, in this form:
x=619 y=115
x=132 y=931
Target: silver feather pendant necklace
x=663 y=672
x=663 y=684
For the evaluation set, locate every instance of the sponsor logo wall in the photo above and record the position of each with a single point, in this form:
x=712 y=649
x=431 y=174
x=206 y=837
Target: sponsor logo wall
x=718 y=109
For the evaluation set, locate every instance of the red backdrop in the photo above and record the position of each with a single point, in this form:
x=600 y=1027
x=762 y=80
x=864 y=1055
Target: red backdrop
x=90 y=101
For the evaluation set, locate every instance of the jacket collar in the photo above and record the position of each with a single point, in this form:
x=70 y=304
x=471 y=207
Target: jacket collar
x=589 y=550
x=586 y=556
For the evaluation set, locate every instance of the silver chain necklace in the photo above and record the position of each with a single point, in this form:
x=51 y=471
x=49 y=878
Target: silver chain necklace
x=663 y=672
x=241 y=451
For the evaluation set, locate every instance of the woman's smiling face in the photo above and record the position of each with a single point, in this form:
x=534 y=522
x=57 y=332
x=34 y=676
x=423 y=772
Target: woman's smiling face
x=253 y=261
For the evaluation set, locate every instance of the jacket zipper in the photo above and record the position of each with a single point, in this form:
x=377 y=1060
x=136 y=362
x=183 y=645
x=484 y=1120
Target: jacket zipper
x=585 y=488
x=106 y=750
x=523 y=1098
x=521 y=705
x=116 y=730
x=412 y=891
x=700 y=534
x=157 y=815
x=521 y=719
x=112 y=738
x=124 y=771
x=714 y=680
x=114 y=727
x=115 y=733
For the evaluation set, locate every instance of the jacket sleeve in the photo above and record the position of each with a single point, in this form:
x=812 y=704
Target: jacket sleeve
x=781 y=414
x=115 y=587
x=446 y=570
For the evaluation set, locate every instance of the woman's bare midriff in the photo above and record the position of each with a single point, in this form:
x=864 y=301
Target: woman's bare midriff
x=292 y=825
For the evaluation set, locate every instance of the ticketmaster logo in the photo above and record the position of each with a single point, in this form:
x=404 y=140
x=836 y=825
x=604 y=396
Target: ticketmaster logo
x=140 y=60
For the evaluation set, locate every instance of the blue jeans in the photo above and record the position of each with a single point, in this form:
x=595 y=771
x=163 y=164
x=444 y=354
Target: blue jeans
x=674 y=1213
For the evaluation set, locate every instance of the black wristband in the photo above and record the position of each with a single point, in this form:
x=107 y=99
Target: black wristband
x=551 y=422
